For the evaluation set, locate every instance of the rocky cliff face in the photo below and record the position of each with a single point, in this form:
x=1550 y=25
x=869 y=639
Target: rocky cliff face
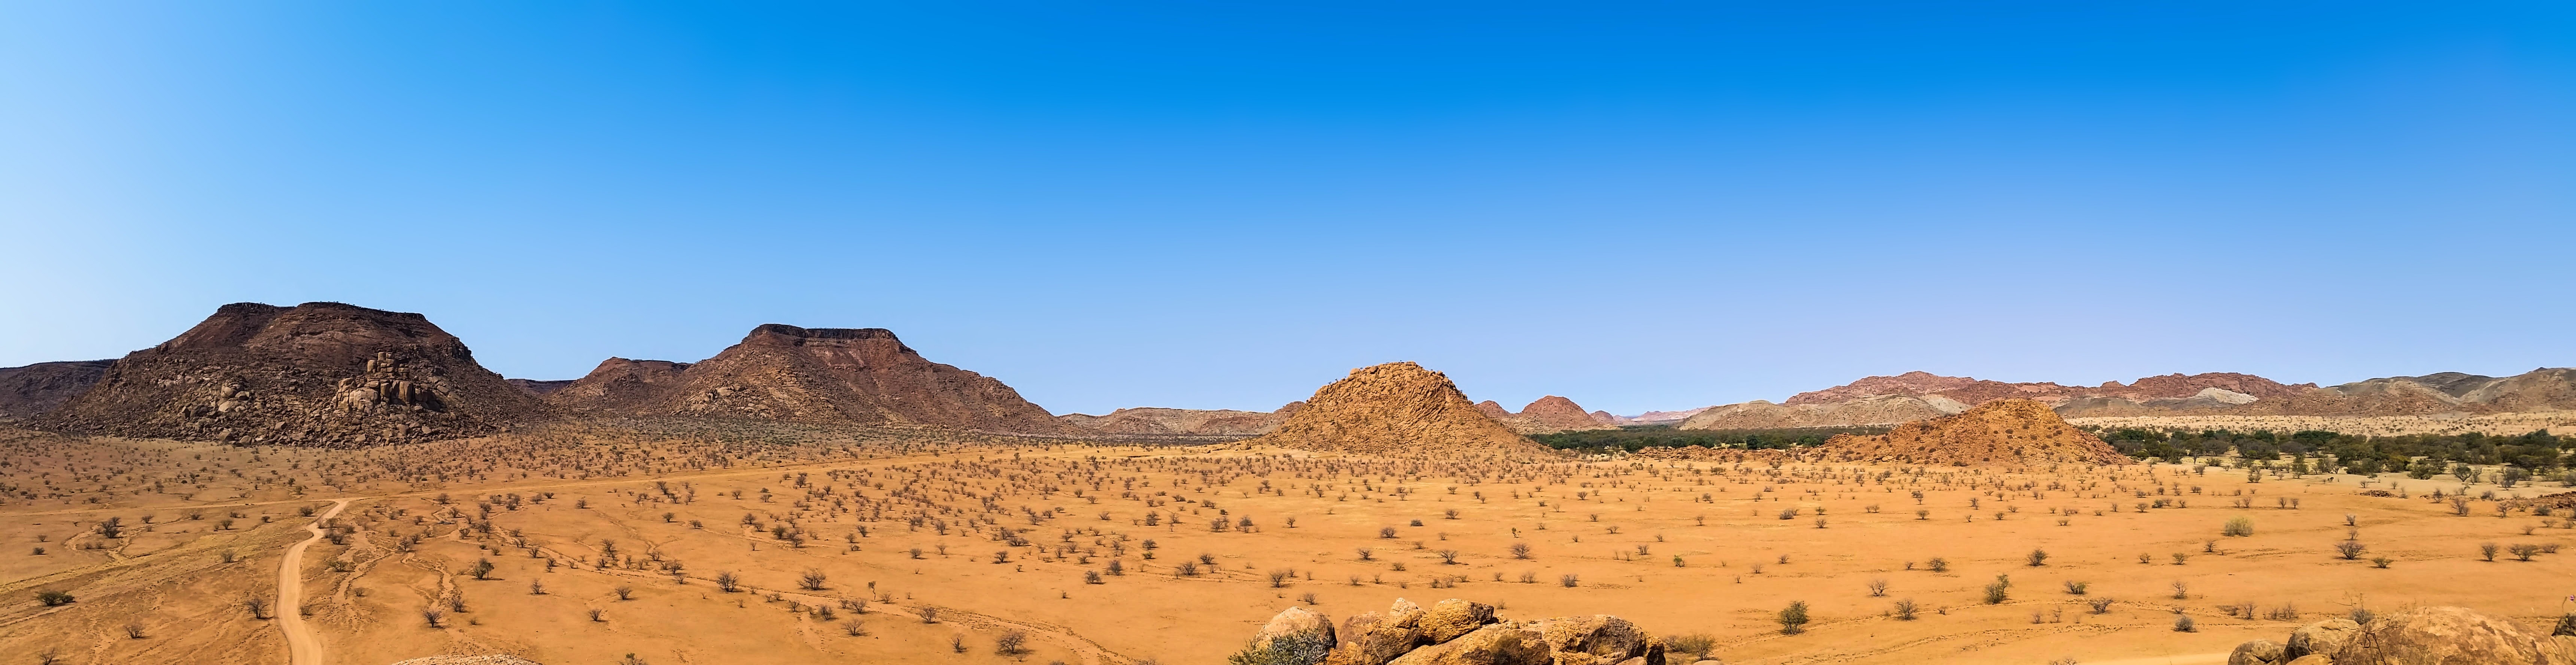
x=852 y=375
x=1451 y=632
x=1998 y=432
x=1394 y=408
x=326 y=374
x=33 y=389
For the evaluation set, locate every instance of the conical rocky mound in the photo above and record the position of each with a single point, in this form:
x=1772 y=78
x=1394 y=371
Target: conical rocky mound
x=1548 y=415
x=1395 y=407
x=319 y=373
x=853 y=375
x=1998 y=432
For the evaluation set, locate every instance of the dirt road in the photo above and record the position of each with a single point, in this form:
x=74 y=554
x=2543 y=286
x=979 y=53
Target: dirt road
x=303 y=647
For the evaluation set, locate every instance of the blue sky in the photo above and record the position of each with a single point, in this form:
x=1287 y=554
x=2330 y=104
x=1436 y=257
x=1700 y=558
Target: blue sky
x=1225 y=205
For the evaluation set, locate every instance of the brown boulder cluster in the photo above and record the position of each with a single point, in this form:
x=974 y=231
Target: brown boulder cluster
x=1394 y=408
x=2425 y=636
x=1450 y=632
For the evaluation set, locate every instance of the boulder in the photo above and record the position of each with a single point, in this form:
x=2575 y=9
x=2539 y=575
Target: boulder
x=1373 y=638
x=1599 y=639
x=2323 y=637
x=1453 y=617
x=1494 y=644
x=2447 y=635
x=2257 y=652
x=1295 y=621
x=2311 y=659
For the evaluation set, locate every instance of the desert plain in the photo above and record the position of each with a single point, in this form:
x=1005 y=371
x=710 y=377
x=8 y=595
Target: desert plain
x=610 y=543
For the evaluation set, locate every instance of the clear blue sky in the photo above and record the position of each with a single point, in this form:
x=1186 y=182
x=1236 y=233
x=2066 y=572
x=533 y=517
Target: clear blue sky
x=1221 y=205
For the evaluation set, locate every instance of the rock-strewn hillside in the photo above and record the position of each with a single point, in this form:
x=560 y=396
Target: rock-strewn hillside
x=314 y=374
x=1998 y=432
x=783 y=372
x=1394 y=408
x=33 y=389
x=1451 y=632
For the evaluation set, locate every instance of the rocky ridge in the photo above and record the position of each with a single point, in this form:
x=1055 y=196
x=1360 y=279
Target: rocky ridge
x=34 y=389
x=322 y=373
x=1394 y=408
x=1450 y=632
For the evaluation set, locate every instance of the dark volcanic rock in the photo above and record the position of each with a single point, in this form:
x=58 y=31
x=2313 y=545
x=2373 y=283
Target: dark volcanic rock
x=321 y=373
x=33 y=389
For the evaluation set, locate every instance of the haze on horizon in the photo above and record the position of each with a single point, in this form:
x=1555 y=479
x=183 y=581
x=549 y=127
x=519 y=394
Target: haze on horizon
x=1637 y=207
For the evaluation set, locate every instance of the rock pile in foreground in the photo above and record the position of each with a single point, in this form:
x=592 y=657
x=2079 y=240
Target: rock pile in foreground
x=2431 y=635
x=1394 y=408
x=1451 y=632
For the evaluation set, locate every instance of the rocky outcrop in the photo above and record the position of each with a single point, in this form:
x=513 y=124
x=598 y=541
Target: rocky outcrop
x=38 y=388
x=1871 y=410
x=2430 y=636
x=2003 y=431
x=326 y=374
x=783 y=372
x=1151 y=421
x=1394 y=408
x=1451 y=632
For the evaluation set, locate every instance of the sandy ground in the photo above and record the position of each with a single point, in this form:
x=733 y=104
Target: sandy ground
x=606 y=551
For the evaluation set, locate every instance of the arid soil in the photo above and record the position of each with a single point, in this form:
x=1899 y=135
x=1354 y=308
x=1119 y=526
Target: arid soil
x=925 y=542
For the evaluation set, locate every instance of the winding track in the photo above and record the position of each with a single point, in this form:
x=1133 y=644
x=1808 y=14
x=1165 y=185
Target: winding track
x=303 y=647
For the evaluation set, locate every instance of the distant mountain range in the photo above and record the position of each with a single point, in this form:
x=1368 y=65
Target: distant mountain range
x=338 y=375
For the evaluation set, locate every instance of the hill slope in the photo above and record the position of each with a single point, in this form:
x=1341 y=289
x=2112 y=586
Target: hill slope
x=33 y=389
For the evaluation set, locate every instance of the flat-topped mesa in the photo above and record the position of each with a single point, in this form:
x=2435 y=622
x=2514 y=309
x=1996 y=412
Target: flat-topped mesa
x=322 y=373
x=784 y=372
x=1394 y=408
